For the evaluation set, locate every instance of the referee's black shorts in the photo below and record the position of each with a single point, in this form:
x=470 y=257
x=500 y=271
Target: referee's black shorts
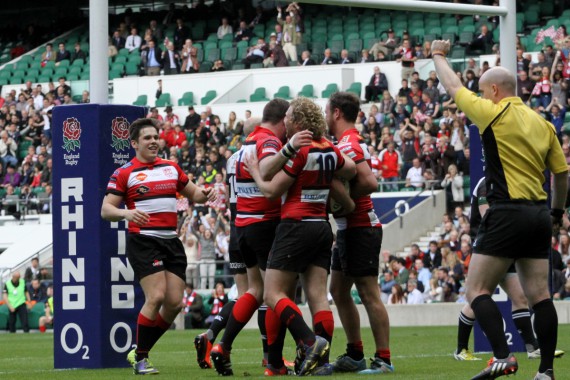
x=515 y=229
x=255 y=241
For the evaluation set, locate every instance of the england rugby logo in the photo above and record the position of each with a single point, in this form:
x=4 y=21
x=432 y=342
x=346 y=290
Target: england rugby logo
x=120 y=131
x=71 y=134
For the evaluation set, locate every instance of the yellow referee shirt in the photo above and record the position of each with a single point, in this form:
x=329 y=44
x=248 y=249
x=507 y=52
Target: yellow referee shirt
x=519 y=145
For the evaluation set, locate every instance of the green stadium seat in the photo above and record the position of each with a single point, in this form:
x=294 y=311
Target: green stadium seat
x=212 y=54
x=141 y=101
x=131 y=68
x=74 y=70
x=329 y=90
x=228 y=44
x=121 y=59
x=60 y=72
x=120 y=67
x=206 y=67
x=210 y=95
x=256 y=66
x=44 y=79
x=238 y=66
x=63 y=63
x=355 y=88
x=163 y=100
x=283 y=93
x=84 y=75
x=354 y=45
x=123 y=52
x=115 y=74
x=22 y=66
x=72 y=77
x=33 y=72
x=307 y=91
x=258 y=95
x=229 y=54
x=187 y=99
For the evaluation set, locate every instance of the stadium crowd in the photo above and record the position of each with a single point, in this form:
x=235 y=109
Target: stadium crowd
x=417 y=138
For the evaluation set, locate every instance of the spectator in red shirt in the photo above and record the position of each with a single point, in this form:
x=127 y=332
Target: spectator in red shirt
x=168 y=134
x=391 y=162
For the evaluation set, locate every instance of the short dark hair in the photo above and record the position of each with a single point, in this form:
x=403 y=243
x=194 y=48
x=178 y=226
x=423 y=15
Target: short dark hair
x=348 y=103
x=274 y=111
x=137 y=125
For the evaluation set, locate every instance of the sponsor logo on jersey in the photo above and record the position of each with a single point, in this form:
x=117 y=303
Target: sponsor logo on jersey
x=143 y=190
x=157 y=263
x=168 y=172
x=141 y=176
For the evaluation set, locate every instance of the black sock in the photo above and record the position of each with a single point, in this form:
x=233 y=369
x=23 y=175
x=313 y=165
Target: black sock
x=221 y=320
x=355 y=350
x=262 y=329
x=242 y=312
x=546 y=327
x=275 y=351
x=464 y=332
x=491 y=322
x=521 y=318
x=291 y=317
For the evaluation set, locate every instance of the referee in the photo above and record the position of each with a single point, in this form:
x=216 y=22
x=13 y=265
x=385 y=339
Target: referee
x=519 y=146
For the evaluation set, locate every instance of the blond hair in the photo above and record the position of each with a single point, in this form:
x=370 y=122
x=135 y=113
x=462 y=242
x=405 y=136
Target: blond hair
x=309 y=116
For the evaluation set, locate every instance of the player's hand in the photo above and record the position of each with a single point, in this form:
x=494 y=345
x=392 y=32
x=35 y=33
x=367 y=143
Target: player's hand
x=137 y=216
x=440 y=47
x=301 y=139
x=11 y=309
x=251 y=165
x=210 y=194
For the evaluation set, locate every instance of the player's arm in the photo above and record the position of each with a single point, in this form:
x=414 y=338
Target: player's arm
x=365 y=183
x=111 y=211
x=197 y=194
x=269 y=166
x=6 y=301
x=340 y=195
x=445 y=73
x=273 y=189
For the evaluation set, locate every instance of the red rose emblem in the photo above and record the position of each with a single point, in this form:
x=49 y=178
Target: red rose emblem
x=71 y=129
x=120 y=128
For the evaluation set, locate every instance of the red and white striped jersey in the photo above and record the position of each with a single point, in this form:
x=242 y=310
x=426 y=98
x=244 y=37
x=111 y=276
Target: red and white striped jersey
x=313 y=168
x=150 y=188
x=231 y=182
x=252 y=206
x=352 y=144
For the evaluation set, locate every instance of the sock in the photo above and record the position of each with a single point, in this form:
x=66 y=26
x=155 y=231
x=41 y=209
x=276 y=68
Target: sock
x=244 y=308
x=42 y=329
x=262 y=329
x=384 y=354
x=491 y=322
x=464 y=332
x=145 y=331
x=275 y=338
x=355 y=350
x=323 y=325
x=521 y=318
x=546 y=327
x=220 y=321
x=291 y=317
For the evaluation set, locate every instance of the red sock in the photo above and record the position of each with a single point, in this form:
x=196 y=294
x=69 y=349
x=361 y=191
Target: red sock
x=323 y=325
x=275 y=338
x=244 y=308
x=161 y=323
x=42 y=329
x=384 y=354
x=272 y=325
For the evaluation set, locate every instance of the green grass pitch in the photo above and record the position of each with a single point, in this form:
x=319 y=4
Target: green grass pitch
x=418 y=353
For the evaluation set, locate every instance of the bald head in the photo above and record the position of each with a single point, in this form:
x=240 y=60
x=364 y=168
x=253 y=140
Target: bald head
x=250 y=124
x=503 y=79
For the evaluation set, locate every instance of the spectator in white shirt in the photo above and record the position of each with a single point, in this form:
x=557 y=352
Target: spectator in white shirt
x=224 y=29
x=133 y=40
x=414 y=295
x=414 y=177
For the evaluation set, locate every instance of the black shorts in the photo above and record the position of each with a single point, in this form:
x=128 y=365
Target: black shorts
x=300 y=244
x=237 y=266
x=149 y=255
x=255 y=241
x=358 y=253
x=515 y=229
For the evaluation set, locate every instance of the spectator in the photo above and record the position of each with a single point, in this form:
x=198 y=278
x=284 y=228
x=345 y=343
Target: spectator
x=399 y=267
x=555 y=113
x=328 y=58
x=483 y=41
x=344 y=58
x=396 y=295
x=33 y=271
x=170 y=60
x=133 y=41
x=524 y=86
x=386 y=283
x=278 y=55
x=8 y=150
x=224 y=28
x=377 y=85
x=365 y=57
x=190 y=62
x=153 y=59
x=453 y=185
x=181 y=34
x=218 y=299
x=12 y=177
x=414 y=177
x=386 y=47
x=415 y=297
x=391 y=162
x=48 y=55
x=193 y=308
x=256 y=53
x=192 y=121
x=424 y=274
x=15 y=297
x=218 y=66
x=155 y=31
x=47 y=173
x=37 y=292
x=47 y=319
x=407 y=58
x=243 y=33
x=207 y=258
x=432 y=258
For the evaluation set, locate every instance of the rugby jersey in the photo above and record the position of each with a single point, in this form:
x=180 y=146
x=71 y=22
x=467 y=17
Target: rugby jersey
x=313 y=168
x=231 y=182
x=150 y=187
x=252 y=206
x=352 y=144
x=519 y=145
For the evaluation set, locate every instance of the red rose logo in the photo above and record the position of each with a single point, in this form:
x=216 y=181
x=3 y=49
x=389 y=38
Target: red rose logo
x=120 y=133
x=71 y=134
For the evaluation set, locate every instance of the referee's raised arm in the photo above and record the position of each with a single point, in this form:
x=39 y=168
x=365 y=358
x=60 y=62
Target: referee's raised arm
x=445 y=73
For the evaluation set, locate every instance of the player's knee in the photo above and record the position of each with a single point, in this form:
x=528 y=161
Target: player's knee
x=155 y=299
